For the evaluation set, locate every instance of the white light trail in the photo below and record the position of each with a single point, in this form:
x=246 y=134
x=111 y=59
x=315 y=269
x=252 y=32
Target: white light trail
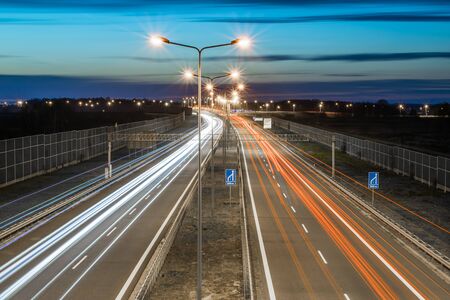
x=85 y=222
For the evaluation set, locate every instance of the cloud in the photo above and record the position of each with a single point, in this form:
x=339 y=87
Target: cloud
x=144 y=59
x=9 y=56
x=352 y=57
x=374 y=17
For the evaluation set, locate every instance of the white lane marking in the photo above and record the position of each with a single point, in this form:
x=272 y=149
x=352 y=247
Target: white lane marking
x=131 y=212
x=158 y=186
x=273 y=176
x=147 y=197
x=258 y=231
x=374 y=252
x=133 y=274
x=152 y=243
x=284 y=195
x=346 y=297
x=304 y=228
x=78 y=263
x=111 y=231
x=278 y=184
x=323 y=258
x=293 y=209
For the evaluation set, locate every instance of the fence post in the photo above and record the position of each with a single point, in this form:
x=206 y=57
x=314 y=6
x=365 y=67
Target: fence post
x=333 y=145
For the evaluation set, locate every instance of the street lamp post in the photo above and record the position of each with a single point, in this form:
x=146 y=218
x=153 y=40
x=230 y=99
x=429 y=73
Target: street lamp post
x=210 y=87
x=158 y=41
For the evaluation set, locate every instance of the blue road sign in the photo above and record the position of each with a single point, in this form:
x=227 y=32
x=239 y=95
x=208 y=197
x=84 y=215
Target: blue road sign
x=230 y=176
x=373 y=180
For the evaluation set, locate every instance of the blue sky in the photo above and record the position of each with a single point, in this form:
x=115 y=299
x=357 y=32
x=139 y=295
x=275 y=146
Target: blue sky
x=346 y=50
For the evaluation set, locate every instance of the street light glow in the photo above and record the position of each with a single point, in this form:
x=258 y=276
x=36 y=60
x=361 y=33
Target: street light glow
x=209 y=87
x=242 y=42
x=235 y=74
x=241 y=86
x=158 y=41
x=188 y=74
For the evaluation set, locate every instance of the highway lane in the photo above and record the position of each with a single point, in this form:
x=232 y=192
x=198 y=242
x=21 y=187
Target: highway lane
x=316 y=243
x=91 y=252
x=30 y=203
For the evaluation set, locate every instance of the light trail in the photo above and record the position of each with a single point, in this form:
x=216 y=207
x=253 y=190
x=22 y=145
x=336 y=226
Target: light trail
x=92 y=217
x=72 y=191
x=303 y=187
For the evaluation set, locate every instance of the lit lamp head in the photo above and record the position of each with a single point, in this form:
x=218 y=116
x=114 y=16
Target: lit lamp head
x=235 y=74
x=209 y=87
x=242 y=42
x=158 y=41
x=241 y=86
x=188 y=74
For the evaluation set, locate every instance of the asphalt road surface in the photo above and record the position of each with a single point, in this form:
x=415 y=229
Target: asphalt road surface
x=97 y=249
x=316 y=244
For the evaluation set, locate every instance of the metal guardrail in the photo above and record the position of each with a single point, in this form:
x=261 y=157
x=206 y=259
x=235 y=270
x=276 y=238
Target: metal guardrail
x=10 y=231
x=411 y=237
x=25 y=157
x=428 y=169
x=155 y=264
x=246 y=257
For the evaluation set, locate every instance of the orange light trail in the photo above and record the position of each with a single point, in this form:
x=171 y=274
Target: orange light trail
x=298 y=184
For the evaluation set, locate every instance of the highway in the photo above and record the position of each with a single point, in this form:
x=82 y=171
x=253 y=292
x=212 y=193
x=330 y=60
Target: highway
x=98 y=248
x=314 y=243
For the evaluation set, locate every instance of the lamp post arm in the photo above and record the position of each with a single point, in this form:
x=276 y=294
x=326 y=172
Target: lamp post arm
x=215 y=46
x=185 y=46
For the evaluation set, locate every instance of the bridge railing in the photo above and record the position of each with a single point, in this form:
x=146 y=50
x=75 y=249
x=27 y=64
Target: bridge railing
x=429 y=169
x=25 y=157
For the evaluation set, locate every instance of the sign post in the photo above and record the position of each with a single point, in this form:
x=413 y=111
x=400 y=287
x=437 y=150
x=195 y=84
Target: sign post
x=230 y=179
x=373 y=182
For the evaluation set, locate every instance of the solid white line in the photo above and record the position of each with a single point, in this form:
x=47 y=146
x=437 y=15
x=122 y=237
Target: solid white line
x=304 y=227
x=152 y=243
x=156 y=237
x=78 y=263
x=278 y=184
x=346 y=297
x=111 y=231
x=113 y=242
x=374 y=252
x=293 y=209
x=323 y=258
x=131 y=212
x=258 y=231
x=284 y=195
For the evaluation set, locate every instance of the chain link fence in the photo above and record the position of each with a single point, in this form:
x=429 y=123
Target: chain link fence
x=25 y=157
x=431 y=170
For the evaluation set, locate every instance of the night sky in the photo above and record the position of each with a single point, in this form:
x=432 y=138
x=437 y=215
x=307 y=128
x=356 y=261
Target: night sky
x=333 y=50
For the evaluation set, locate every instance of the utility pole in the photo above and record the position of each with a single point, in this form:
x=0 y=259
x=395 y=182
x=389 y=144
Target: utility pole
x=333 y=146
x=108 y=168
